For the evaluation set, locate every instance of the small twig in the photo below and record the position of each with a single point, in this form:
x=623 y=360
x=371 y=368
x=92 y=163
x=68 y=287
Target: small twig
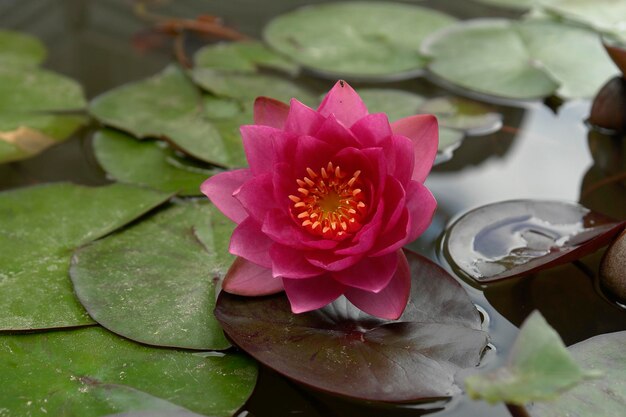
x=605 y=181
x=179 y=51
x=517 y=410
x=204 y=24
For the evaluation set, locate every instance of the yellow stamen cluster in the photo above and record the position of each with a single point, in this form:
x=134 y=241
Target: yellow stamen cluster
x=328 y=203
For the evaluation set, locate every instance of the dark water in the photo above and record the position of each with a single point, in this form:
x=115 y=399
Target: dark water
x=538 y=154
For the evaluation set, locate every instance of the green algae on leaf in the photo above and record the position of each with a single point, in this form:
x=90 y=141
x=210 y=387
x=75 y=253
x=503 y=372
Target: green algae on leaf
x=518 y=237
x=46 y=224
x=149 y=163
x=529 y=59
x=356 y=39
x=167 y=106
x=603 y=396
x=156 y=281
x=344 y=351
x=245 y=56
x=20 y=50
x=91 y=372
x=539 y=368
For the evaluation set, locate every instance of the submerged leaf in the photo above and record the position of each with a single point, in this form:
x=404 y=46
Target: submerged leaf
x=518 y=237
x=344 y=351
x=598 y=397
x=91 y=372
x=539 y=368
x=147 y=163
x=613 y=268
x=155 y=282
x=168 y=106
x=529 y=59
x=356 y=39
x=46 y=224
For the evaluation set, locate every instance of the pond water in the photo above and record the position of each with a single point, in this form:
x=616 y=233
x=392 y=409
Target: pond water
x=537 y=154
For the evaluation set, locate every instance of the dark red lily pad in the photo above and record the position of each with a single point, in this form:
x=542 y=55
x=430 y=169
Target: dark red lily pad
x=519 y=237
x=341 y=350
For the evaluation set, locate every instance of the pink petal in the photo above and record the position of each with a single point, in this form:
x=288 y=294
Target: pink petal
x=247 y=241
x=369 y=274
x=394 y=197
x=258 y=145
x=423 y=131
x=257 y=196
x=311 y=153
x=393 y=239
x=372 y=129
x=366 y=238
x=400 y=159
x=421 y=205
x=312 y=293
x=290 y=263
x=330 y=262
x=302 y=119
x=391 y=301
x=336 y=134
x=344 y=103
x=270 y=112
x=249 y=279
x=220 y=189
x=281 y=228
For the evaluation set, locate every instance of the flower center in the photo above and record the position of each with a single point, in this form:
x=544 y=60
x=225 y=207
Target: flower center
x=329 y=204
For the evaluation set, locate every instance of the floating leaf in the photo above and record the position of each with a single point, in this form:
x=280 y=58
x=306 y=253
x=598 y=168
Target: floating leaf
x=228 y=115
x=356 y=39
x=155 y=282
x=522 y=60
x=471 y=117
x=241 y=57
x=28 y=95
x=70 y=372
x=601 y=397
x=539 y=368
x=607 y=16
x=247 y=87
x=518 y=237
x=151 y=164
x=20 y=50
x=511 y=4
x=396 y=104
x=166 y=105
x=343 y=351
x=613 y=268
x=46 y=224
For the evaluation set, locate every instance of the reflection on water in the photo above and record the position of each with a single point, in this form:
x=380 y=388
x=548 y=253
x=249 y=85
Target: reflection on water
x=538 y=154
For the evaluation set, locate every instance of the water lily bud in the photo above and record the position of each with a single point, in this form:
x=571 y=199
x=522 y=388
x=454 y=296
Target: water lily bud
x=613 y=268
x=609 y=107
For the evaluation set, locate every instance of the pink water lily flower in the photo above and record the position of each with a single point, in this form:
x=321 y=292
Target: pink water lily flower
x=328 y=201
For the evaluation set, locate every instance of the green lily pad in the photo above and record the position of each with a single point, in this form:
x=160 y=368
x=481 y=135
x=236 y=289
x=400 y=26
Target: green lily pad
x=29 y=100
x=510 y=4
x=247 y=87
x=396 y=104
x=227 y=120
x=46 y=224
x=155 y=282
x=20 y=50
x=343 y=351
x=608 y=16
x=168 y=106
x=356 y=39
x=70 y=372
x=148 y=163
x=522 y=60
x=602 y=397
x=539 y=368
x=242 y=57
